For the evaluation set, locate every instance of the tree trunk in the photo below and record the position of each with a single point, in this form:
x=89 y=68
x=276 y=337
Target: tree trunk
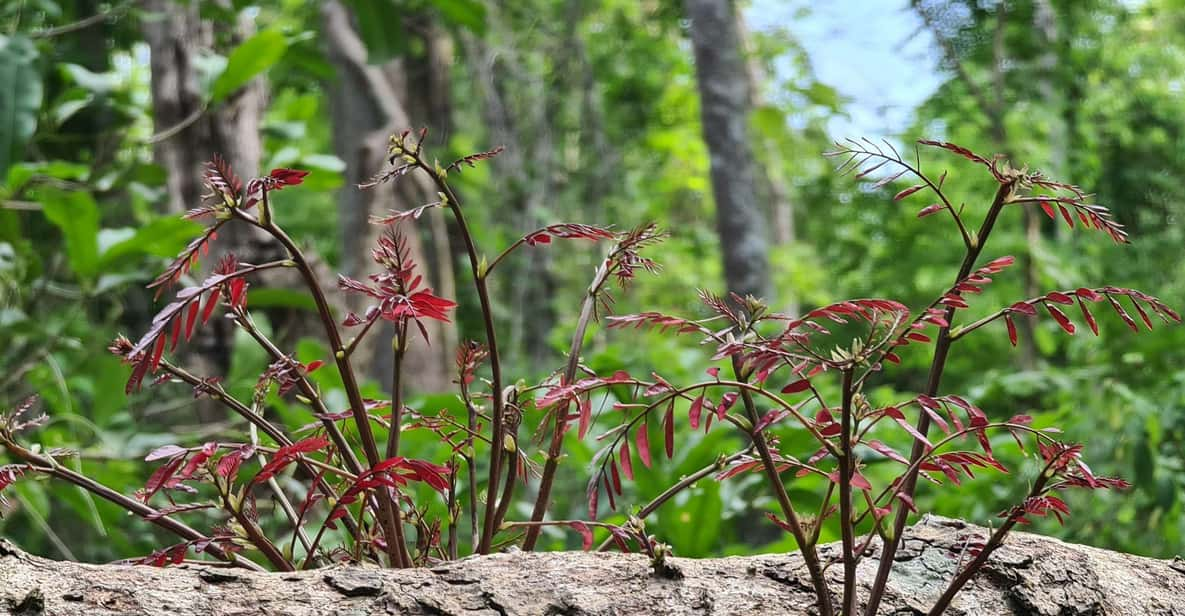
x=187 y=136
x=724 y=111
x=1030 y=575
x=368 y=105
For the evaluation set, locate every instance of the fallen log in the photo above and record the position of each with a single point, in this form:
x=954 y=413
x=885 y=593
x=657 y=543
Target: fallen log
x=1029 y=575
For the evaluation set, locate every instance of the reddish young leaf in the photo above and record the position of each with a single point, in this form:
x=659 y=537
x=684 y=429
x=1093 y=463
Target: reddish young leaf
x=166 y=451
x=860 y=482
x=211 y=303
x=287 y=455
x=887 y=451
x=1123 y=313
x=586 y=535
x=191 y=318
x=160 y=477
x=930 y=209
x=908 y=191
x=726 y=402
x=668 y=424
x=627 y=465
x=1011 y=329
x=1061 y=318
x=696 y=410
x=585 y=417
x=642 y=439
x=797 y=387
x=1088 y=317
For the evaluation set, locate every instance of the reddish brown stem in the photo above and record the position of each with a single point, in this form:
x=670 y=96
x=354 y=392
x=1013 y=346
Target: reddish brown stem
x=937 y=365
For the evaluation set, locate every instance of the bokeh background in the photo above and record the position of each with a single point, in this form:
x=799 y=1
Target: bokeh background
x=108 y=109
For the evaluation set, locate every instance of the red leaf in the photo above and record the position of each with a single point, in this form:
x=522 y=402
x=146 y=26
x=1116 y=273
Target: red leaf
x=167 y=451
x=176 y=334
x=1061 y=318
x=901 y=496
x=586 y=535
x=593 y=492
x=697 y=409
x=797 y=387
x=887 y=451
x=642 y=439
x=1011 y=329
x=860 y=482
x=1060 y=298
x=191 y=318
x=1123 y=314
x=908 y=191
x=726 y=402
x=668 y=424
x=287 y=455
x=627 y=465
x=585 y=417
x=211 y=303
x=287 y=177
x=1088 y=317
x=158 y=351
x=1066 y=215
x=160 y=477
x=930 y=209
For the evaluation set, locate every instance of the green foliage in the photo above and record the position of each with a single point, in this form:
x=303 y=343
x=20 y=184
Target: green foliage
x=250 y=59
x=20 y=97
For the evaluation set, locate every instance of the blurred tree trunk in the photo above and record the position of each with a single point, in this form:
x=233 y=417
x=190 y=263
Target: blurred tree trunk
x=368 y=103
x=724 y=110
x=188 y=135
x=781 y=204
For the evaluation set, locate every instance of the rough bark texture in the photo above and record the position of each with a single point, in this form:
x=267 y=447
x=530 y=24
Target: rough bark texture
x=1030 y=575
x=722 y=76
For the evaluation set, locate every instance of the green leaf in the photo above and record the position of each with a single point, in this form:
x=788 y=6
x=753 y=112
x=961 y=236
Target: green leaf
x=255 y=56
x=76 y=214
x=380 y=25
x=280 y=298
x=162 y=237
x=20 y=97
x=468 y=14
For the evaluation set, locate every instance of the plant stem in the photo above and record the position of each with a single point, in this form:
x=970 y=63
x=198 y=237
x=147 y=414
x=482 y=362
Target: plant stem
x=809 y=555
x=263 y=424
x=846 y=468
x=51 y=467
x=937 y=365
x=557 y=434
x=399 y=346
x=254 y=533
x=357 y=406
x=994 y=542
x=681 y=485
x=339 y=440
x=487 y=316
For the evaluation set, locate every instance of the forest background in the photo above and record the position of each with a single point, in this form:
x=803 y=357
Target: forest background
x=108 y=110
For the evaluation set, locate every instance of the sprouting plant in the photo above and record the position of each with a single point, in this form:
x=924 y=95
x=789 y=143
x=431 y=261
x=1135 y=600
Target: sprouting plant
x=358 y=485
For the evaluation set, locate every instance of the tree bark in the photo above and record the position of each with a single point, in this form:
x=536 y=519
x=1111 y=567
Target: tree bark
x=187 y=136
x=722 y=77
x=1030 y=575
